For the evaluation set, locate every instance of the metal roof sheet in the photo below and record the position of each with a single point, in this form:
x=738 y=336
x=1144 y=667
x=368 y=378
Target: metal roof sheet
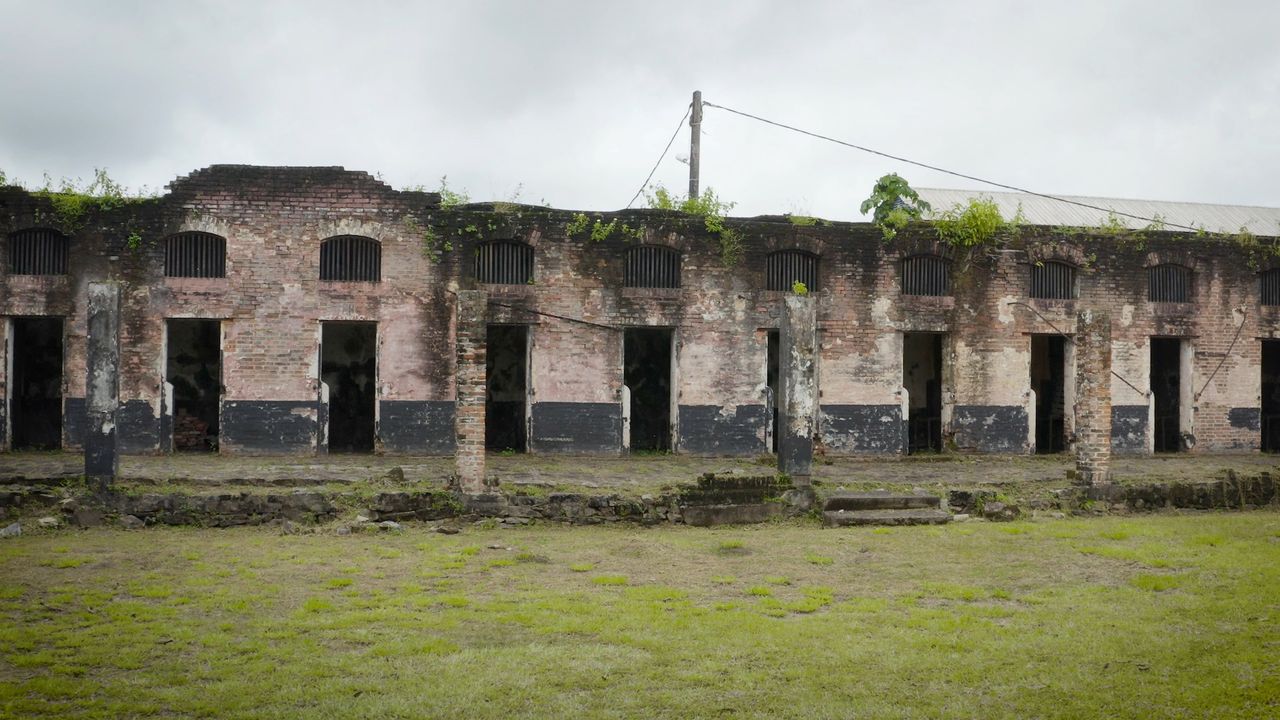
x=1043 y=211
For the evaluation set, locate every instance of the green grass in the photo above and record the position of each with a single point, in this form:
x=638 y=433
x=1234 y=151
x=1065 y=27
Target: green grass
x=1135 y=617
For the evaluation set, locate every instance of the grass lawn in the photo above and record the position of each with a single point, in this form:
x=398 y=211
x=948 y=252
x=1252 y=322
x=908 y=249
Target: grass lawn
x=1144 y=617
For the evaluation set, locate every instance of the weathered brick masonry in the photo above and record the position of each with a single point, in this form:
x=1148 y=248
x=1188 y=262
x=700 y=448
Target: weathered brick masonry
x=271 y=305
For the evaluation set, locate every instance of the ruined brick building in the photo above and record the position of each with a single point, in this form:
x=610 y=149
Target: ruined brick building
x=304 y=310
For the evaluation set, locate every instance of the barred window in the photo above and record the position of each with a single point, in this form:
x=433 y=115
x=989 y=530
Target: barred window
x=1269 y=286
x=1053 y=280
x=926 y=275
x=1169 y=283
x=504 y=262
x=785 y=268
x=38 y=251
x=195 y=255
x=351 y=258
x=652 y=266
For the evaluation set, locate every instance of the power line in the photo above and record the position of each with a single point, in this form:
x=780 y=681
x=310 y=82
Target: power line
x=935 y=168
x=645 y=184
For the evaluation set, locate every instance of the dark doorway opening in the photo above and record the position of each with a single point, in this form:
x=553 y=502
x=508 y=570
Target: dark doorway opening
x=194 y=369
x=1048 y=375
x=1166 y=387
x=647 y=373
x=1271 y=395
x=349 y=366
x=772 y=375
x=922 y=377
x=36 y=404
x=506 y=379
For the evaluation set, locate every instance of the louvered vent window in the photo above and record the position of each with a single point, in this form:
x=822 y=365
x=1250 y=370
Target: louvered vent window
x=926 y=275
x=504 y=263
x=1169 y=283
x=351 y=258
x=1269 y=285
x=195 y=255
x=38 y=251
x=785 y=268
x=651 y=266
x=1053 y=280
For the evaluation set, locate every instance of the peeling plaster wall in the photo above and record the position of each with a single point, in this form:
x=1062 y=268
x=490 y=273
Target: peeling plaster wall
x=271 y=304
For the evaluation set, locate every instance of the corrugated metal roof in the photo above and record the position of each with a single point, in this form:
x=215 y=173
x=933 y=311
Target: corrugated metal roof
x=1043 y=211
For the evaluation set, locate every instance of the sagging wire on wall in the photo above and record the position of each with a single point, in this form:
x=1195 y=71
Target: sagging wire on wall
x=1157 y=222
x=661 y=157
x=1069 y=339
x=1227 y=354
x=517 y=308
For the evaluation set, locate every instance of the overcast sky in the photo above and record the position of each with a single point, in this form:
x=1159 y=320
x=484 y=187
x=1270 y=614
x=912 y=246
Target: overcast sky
x=572 y=102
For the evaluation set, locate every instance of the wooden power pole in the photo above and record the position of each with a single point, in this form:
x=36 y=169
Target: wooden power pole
x=695 y=142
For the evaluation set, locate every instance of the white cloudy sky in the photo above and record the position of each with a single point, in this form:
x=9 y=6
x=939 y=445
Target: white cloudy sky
x=573 y=101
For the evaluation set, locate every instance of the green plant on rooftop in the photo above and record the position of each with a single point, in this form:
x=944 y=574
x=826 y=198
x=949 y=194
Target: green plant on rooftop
x=711 y=209
x=72 y=200
x=894 y=204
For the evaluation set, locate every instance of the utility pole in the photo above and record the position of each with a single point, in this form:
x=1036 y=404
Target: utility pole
x=695 y=142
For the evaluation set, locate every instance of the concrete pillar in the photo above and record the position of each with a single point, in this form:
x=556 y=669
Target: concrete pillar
x=472 y=307
x=1093 y=396
x=101 y=450
x=798 y=344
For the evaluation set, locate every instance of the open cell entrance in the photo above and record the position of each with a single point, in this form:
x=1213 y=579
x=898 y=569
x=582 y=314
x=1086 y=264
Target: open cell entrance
x=349 y=366
x=506 y=370
x=1048 y=378
x=1166 y=389
x=922 y=377
x=194 y=368
x=773 y=356
x=1271 y=395
x=647 y=374
x=36 y=403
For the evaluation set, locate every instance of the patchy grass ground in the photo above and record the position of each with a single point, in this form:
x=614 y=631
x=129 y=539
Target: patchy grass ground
x=1157 y=616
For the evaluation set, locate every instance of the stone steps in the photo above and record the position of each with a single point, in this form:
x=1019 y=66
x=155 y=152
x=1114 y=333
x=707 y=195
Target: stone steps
x=880 y=500
x=917 y=516
x=880 y=507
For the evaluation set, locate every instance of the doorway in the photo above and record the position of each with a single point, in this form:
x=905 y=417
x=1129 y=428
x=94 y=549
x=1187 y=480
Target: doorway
x=922 y=377
x=1048 y=381
x=193 y=367
x=1271 y=395
x=36 y=374
x=348 y=365
x=506 y=381
x=647 y=374
x=1166 y=389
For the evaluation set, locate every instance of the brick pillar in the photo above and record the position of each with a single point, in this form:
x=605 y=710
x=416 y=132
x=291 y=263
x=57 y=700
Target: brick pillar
x=1093 y=396
x=469 y=376
x=101 y=451
x=798 y=341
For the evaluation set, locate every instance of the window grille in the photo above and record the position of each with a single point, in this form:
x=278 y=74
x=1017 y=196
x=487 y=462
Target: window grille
x=504 y=262
x=351 y=258
x=1169 y=283
x=926 y=275
x=1269 y=287
x=785 y=268
x=652 y=266
x=195 y=255
x=1053 y=280
x=38 y=251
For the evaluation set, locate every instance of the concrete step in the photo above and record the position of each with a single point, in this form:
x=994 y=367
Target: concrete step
x=918 y=516
x=879 y=500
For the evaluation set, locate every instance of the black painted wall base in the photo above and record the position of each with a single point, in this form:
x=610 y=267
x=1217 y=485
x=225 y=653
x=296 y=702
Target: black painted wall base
x=417 y=426
x=705 y=430
x=858 y=429
x=579 y=428
x=1129 y=429
x=269 y=426
x=991 y=428
x=137 y=427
